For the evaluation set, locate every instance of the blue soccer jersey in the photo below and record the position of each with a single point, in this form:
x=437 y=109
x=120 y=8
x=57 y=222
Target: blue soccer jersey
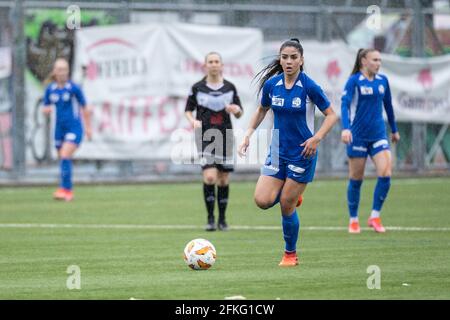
x=293 y=111
x=362 y=107
x=67 y=101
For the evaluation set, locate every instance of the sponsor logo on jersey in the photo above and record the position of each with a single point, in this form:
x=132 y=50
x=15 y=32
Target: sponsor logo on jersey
x=70 y=136
x=381 y=89
x=296 y=102
x=277 y=101
x=379 y=143
x=271 y=167
x=66 y=96
x=358 y=148
x=366 y=90
x=296 y=169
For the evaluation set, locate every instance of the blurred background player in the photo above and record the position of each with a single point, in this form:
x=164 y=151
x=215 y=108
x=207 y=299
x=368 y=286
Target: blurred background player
x=70 y=105
x=214 y=99
x=292 y=158
x=364 y=132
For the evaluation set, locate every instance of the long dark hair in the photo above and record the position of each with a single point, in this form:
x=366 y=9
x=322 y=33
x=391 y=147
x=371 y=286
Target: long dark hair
x=362 y=53
x=274 y=67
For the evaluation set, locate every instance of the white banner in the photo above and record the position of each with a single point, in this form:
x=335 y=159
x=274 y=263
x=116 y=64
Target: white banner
x=420 y=87
x=5 y=62
x=137 y=78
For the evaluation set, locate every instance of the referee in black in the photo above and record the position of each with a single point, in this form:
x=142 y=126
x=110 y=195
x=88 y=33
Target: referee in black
x=214 y=99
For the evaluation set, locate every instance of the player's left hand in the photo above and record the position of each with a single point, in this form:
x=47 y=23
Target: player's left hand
x=310 y=147
x=395 y=137
x=233 y=108
x=88 y=132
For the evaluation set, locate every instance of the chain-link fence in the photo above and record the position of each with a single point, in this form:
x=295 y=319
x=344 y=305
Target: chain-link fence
x=34 y=33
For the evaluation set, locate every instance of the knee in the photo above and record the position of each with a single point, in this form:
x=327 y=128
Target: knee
x=222 y=181
x=209 y=179
x=287 y=203
x=262 y=202
x=386 y=172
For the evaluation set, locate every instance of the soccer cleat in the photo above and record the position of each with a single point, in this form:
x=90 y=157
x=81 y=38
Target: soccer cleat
x=59 y=194
x=375 y=223
x=354 y=227
x=69 y=195
x=222 y=226
x=210 y=225
x=289 y=259
x=299 y=201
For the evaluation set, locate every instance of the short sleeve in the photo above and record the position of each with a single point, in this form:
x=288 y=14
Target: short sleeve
x=191 y=103
x=317 y=96
x=47 y=101
x=79 y=95
x=266 y=97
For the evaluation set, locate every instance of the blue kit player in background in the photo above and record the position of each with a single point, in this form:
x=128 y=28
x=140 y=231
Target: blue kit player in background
x=364 y=132
x=290 y=165
x=70 y=105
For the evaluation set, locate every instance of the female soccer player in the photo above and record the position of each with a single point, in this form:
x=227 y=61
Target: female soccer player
x=291 y=162
x=67 y=98
x=364 y=132
x=214 y=99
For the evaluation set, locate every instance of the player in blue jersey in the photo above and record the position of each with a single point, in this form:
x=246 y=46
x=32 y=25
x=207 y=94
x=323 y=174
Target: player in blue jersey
x=290 y=165
x=71 y=116
x=364 y=133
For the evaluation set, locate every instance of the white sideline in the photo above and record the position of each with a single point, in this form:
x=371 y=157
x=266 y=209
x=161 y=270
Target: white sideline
x=196 y=227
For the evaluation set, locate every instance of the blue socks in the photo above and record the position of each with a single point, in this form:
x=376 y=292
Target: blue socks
x=66 y=173
x=353 y=195
x=381 y=191
x=291 y=226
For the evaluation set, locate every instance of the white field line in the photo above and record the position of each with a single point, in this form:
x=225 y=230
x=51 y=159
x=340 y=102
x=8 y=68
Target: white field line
x=196 y=227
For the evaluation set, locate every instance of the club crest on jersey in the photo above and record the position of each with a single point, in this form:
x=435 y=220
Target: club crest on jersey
x=66 y=96
x=381 y=89
x=296 y=102
x=277 y=101
x=366 y=90
x=54 y=97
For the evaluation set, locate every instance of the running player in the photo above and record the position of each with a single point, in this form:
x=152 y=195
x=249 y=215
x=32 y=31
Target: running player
x=291 y=162
x=364 y=132
x=214 y=99
x=68 y=99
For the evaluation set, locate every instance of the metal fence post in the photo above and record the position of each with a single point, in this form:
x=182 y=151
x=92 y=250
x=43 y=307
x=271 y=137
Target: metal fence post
x=18 y=109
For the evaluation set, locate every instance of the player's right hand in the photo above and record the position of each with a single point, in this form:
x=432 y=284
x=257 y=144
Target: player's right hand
x=47 y=110
x=346 y=136
x=197 y=124
x=242 y=149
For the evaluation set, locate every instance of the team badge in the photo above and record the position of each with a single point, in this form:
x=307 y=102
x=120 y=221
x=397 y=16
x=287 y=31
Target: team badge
x=381 y=89
x=296 y=102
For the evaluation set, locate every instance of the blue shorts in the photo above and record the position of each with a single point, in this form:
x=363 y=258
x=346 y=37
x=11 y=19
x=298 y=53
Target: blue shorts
x=68 y=132
x=360 y=149
x=300 y=171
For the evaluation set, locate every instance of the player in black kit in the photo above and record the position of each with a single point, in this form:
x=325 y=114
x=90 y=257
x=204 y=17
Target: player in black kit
x=214 y=99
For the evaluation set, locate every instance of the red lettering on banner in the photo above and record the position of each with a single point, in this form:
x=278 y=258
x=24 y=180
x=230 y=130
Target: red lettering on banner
x=120 y=119
x=106 y=118
x=147 y=113
x=131 y=115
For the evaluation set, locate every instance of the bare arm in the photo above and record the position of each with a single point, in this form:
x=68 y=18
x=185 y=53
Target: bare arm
x=86 y=114
x=310 y=145
x=255 y=121
x=194 y=122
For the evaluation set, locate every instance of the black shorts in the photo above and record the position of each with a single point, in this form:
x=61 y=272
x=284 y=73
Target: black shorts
x=216 y=150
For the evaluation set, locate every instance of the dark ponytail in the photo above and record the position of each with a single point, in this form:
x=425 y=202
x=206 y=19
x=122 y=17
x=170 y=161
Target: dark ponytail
x=362 y=53
x=275 y=67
